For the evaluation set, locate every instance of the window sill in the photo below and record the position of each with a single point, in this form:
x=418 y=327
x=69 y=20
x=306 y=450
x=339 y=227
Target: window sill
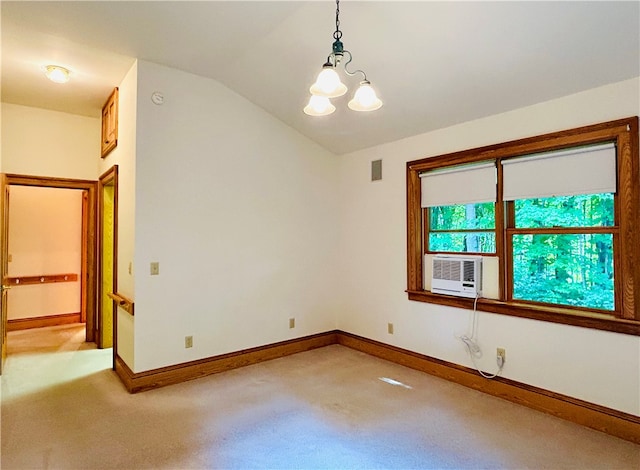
x=561 y=315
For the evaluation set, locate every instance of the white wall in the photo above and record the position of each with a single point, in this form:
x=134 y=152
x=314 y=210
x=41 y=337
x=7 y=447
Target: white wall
x=41 y=142
x=124 y=155
x=595 y=366
x=45 y=237
x=240 y=211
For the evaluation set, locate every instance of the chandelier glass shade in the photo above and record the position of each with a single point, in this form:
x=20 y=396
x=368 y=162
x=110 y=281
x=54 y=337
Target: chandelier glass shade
x=365 y=98
x=329 y=85
x=319 y=106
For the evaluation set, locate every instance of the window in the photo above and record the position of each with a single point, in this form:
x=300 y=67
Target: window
x=557 y=213
x=562 y=251
x=460 y=208
x=462 y=228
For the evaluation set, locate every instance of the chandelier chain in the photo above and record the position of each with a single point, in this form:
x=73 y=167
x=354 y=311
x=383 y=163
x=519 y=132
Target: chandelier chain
x=337 y=33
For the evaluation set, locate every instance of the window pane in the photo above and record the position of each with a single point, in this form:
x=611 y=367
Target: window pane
x=567 y=269
x=463 y=242
x=463 y=216
x=587 y=210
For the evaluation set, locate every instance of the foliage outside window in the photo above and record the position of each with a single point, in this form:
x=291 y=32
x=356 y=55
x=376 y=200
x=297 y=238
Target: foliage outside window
x=462 y=228
x=572 y=259
x=575 y=267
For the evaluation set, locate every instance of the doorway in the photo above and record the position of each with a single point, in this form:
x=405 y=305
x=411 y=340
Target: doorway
x=87 y=275
x=44 y=246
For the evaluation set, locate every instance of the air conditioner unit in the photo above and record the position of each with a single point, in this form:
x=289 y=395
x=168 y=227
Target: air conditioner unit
x=457 y=275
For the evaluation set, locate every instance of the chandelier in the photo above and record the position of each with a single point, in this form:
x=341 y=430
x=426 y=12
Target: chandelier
x=328 y=84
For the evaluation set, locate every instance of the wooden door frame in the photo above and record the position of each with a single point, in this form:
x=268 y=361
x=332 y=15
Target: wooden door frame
x=88 y=284
x=109 y=177
x=4 y=250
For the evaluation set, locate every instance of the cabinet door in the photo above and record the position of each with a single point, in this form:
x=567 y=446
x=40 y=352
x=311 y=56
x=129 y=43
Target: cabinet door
x=110 y=124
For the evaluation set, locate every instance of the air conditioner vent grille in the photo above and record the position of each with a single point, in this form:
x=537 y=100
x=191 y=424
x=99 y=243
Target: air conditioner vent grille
x=447 y=269
x=469 y=271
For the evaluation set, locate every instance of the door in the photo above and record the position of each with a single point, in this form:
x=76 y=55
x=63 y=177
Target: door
x=106 y=334
x=4 y=266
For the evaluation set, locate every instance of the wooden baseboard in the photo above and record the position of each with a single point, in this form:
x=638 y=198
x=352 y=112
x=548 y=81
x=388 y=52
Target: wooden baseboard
x=124 y=373
x=138 y=382
x=600 y=418
x=40 y=322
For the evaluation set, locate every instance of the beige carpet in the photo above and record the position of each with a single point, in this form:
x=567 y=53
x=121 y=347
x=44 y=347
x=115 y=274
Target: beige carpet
x=62 y=407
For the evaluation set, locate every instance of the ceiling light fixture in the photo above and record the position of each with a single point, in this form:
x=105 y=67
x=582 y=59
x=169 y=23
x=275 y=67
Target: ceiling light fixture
x=57 y=74
x=328 y=84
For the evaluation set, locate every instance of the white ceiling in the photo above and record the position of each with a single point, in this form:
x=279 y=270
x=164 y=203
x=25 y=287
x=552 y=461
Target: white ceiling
x=434 y=64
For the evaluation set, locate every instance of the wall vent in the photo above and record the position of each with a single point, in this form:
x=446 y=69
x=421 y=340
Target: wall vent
x=376 y=170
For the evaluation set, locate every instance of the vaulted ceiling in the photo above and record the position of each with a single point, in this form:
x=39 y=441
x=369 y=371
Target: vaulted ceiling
x=434 y=64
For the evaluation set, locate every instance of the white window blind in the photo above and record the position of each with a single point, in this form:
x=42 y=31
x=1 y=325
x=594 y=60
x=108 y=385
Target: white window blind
x=465 y=184
x=581 y=170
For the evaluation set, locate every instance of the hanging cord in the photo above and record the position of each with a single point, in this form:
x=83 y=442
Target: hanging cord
x=472 y=346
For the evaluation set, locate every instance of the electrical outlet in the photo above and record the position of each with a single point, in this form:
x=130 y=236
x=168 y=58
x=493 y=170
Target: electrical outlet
x=292 y=322
x=155 y=268
x=390 y=328
x=188 y=341
x=501 y=356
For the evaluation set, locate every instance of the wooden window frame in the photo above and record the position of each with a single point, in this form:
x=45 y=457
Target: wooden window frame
x=626 y=318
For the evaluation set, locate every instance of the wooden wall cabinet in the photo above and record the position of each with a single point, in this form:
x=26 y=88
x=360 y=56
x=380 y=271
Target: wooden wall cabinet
x=110 y=124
